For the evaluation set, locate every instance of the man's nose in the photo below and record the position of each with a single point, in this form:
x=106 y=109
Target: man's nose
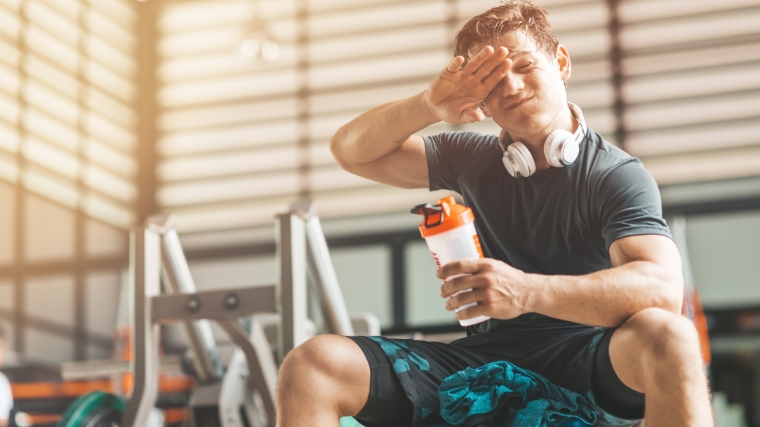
x=511 y=84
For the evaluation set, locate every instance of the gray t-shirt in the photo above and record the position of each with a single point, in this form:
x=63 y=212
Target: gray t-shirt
x=558 y=221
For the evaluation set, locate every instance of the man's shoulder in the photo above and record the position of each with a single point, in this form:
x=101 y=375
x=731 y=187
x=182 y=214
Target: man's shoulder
x=604 y=157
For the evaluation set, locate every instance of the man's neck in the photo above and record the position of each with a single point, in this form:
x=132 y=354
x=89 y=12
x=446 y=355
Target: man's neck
x=535 y=142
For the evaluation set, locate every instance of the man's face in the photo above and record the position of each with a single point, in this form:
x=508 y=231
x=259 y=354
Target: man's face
x=532 y=94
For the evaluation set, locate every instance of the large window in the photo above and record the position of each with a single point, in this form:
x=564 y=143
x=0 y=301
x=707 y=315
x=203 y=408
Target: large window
x=67 y=171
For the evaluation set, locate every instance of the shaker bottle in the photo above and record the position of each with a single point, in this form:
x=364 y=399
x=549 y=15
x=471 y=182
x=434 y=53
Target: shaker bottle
x=449 y=230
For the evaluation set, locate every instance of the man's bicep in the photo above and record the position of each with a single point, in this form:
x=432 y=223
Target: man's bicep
x=654 y=248
x=405 y=167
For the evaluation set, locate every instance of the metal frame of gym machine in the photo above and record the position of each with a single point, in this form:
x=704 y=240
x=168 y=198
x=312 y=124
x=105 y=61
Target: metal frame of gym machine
x=248 y=386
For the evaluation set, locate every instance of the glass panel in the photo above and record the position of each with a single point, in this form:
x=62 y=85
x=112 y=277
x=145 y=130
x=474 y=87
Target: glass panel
x=228 y=89
x=232 y=163
x=47 y=348
x=694 y=138
x=228 y=138
x=425 y=306
x=68 y=8
x=233 y=114
x=275 y=184
x=373 y=200
x=633 y=11
x=9 y=81
x=683 y=84
x=592 y=95
x=705 y=166
x=51 y=186
x=110 y=82
x=8 y=167
x=51 y=48
x=102 y=290
x=374 y=18
x=228 y=61
x=55 y=78
x=50 y=298
x=56 y=25
x=105 y=130
x=108 y=211
x=234 y=272
x=693 y=111
x=121 y=12
x=708 y=27
x=10 y=25
x=110 y=107
x=334 y=177
x=417 y=65
x=103 y=240
x=690 y=59
x=364 y=277
x=53 y=158
x=51 y=130
x=114 y=160
x=9 y=110
x=9 y=54
x=724 y=249
x=179 y=17
x=50 y=102
x=109 y=29
x=7 y=225
x=362 y=99
x=49 y=230
x=110 y=57
x=109 y=184
x=7 y=298
x=229 y=216
x=377 y=44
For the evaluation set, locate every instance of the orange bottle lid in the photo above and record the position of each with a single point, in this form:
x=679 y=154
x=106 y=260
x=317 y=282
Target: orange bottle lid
x=443 y=216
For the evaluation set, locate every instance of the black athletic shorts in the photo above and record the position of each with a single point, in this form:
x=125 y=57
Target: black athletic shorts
x=404 y=390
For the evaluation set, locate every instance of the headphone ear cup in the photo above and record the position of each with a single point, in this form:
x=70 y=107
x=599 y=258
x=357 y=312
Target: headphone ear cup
x=561 y=148
x=518 y=161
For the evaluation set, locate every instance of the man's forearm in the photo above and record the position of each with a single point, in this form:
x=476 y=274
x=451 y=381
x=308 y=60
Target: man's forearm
x=380 y=130
x=608 y=297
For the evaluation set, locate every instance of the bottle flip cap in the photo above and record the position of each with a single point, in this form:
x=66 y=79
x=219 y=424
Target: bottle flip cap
x=443 y=216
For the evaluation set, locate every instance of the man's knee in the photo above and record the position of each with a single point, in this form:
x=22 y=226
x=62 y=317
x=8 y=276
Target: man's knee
x=662 y=334
x=321 y=361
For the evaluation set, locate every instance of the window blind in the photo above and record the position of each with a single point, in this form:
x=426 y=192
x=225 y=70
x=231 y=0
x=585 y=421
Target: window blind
x=241 y=139
x=673 y=82
x=67 y=120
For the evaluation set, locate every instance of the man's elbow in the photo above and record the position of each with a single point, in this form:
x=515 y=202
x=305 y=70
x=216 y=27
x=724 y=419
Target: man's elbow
x=671 y=297
x=337 y=148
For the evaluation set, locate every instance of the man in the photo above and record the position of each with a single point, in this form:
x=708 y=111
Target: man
x=6 y=399
x=582 y=281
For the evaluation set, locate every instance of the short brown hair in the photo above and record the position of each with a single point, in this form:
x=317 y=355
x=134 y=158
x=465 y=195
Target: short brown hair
x=511 y=15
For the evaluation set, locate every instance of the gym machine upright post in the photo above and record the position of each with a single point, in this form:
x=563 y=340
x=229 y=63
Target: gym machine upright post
x=252 y=371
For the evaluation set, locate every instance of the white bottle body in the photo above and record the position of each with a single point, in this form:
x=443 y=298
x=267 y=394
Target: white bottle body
x=452 y=245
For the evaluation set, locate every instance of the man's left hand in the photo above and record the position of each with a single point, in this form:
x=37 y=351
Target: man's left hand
x=501 y=291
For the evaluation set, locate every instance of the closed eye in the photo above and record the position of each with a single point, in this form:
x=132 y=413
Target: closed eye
x=525 y=65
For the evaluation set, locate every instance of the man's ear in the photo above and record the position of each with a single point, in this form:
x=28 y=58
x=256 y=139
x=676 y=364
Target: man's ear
x=486 y=111
x=563 y=62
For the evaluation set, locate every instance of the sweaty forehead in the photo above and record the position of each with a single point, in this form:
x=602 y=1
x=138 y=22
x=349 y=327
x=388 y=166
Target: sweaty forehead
x=517 y=42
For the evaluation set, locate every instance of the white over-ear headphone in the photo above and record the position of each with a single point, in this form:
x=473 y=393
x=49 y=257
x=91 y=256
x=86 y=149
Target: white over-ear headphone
x=560 y=148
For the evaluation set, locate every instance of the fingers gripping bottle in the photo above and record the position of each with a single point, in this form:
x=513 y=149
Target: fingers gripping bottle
x=449 y=230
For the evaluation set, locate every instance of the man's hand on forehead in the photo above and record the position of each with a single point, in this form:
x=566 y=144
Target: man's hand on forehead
x=456 y=93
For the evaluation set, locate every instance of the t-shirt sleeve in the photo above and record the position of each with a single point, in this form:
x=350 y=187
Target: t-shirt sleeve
x=628 y=202
x=450 y=153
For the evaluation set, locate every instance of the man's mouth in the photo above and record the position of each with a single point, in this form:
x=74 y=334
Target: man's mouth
x=518 y=103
